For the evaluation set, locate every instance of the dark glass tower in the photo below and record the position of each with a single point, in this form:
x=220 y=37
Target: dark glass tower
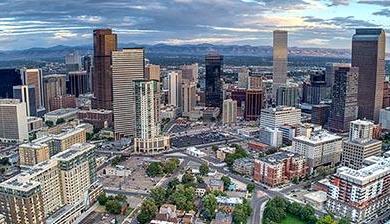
x=9 y=78
x=344 y=107
x=368 y=54
x=213 y=81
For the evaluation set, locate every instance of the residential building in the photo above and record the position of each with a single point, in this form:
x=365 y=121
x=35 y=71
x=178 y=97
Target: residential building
x=279 y=168
x=344 y=108
x=26 y=94
x=253 y=104
x=127 y=66
x=276 y=117
x=188 y=97
x=361 y=195
x=213 y=80
x=229 y=112
x=9 y=79
x=368 y=54
x=148 y=138
x=280 y=54
x=13 y=121
x=321 y=148
x=31 y=154
x=190 y=72
x=215 y=185
x=104 y=43
x=360 y=144
x=152 y=72
x=243 y=166
x=54 y=86
x=175 y=89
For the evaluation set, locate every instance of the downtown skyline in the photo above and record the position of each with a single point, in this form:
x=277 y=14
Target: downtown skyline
x=310 y=23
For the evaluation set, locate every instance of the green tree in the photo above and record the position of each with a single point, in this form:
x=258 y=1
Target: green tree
x=183 y=197
x=250 y=187
x=199 y=180
x=344 y=221
x=295 y=180
x=210 y=206
x=147 y=212
x=226 y=182
x=102 y=199
x=188 y=179
x=158 y=194
x=49 y=123
x=214 y=148
x=242 y=212
x=327 y=219
x=60 y=121
x=113 y=206
x=204 y=169
x=154 y=169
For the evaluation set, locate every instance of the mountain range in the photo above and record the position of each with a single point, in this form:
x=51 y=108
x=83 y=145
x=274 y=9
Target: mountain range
x=58 y=52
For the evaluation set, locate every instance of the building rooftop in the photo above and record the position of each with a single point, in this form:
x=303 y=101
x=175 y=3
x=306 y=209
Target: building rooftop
x=362 y=122
x=280 y=109
x=278 y=157
x=62 y=111
x=33 y=145
x=9 y=101
x=68 y=133
x=215 y=182
x=74 y=151
x=229 y=200
x=19 y=184
x=318 y=137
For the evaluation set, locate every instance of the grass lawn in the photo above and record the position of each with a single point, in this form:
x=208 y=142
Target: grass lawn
x=291 y=220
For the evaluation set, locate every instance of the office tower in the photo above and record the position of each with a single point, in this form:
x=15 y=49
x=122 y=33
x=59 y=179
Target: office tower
x=321 y=148
x=31 y=154
x=54 y=86
x=255 y=82
x=271 y=137
x=279 y=168
x=344 y=108
x=87 y=66
x=360 y=195
x=34 y=77
x=386 y=94
x=148 y=125
x=360 y=144
x=287 y=95
x=213 y=80
x=253 y=104
x=26 y=94
x=330 y=69
x=77 y=83
x=189 y=97
x=320 y=114
x=104 y=43
x=317 y=90
x=280 y=54
x=175 y=87
x=152 y=72
x=127 y=66
x=190 y=72
x=229 y=113
x=276 y=117
x=13 y=121
x=73 y=62
x=243 y=76
x=384 y=118
x=368 y=54
x=9 y=78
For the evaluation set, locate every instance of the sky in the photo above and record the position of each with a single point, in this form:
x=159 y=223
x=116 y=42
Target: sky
x=311 y=23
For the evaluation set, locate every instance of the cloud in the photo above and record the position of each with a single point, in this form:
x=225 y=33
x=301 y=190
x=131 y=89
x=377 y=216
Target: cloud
x=384 y=3
x=64 y=35
x=315 y=42
x=383 y=12
x=210 y=40
x=339 y=2
x=90 y=19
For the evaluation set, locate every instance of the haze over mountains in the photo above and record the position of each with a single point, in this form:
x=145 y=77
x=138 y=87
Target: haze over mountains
x=200 y=49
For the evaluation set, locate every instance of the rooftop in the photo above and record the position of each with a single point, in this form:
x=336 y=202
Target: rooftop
x=62 y=111
x=278 y=157
x=74 y=151
x=318 y=137
x=20 y=184
x=229 y=200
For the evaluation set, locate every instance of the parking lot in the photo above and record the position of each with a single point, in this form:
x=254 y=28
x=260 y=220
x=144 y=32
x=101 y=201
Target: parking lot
x=198 y=139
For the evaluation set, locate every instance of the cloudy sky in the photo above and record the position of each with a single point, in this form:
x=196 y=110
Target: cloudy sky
x=311 y=23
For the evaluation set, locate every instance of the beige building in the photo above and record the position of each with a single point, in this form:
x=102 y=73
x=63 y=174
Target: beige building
x=152 y=72
x=31 y=154
x=280 y=54
x=34 y=77
x=127 y=66
x=53 y=86
x=189 y=97
x=229 y=112
x=255 y=82
x=276 y=117
x=13 y=121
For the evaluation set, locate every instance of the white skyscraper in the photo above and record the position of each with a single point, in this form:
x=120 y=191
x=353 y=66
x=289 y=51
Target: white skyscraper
x=280 y=54
x=243 y=77
x=189 y=97
x=175 y=82
x=229 y=113
x=127 y=66
x=13 y=121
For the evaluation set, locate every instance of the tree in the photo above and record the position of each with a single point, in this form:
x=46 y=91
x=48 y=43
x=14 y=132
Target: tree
x=226 y=182
x=199 y=180
x=154 y=169
x=214 y=148
x=170 y=166
x=295 y=180
x=60 y=121
x=183 y=197
x=210 y=206
x=49 y=123
x=204 y=169
x=188 y=178
x=250 y=187
x=102 y=199
x=147 y=212
x=113 y=206
x=158 y=194
x=344 y=221
x=242 y=212
x=327 y=219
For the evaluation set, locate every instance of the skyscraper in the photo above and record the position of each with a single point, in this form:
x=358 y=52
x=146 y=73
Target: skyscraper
x=9 y=78
x=35 y=77
x=229 y=113
x=104 y=43
x=368 y=54
x=73 y=62
x=26 y=94
x=280 y=54
x=189 y=97
x=127 y=66
x=78 y=83
x=213 y=87
x=152 y=72
x=287 y=95
x=344 y=108
x=175 y=83
x=148 y=138
x=243 y=77
x=13 y=121
x=253 y=104
x=54 y=86
x=190 y=72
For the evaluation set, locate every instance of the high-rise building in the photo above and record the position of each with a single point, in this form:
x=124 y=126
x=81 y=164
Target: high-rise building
x=276 y=117
x=384 y=118
x=213 y=80
x=190 y=72
x=77 y=83
x=104 y=43
x=73 y=62
x=175 y=88
x=320 y=149
x=13 y=121
x=317 y=90
x=189 y=97
x=127 y=66
x=271 y=137
x=54 y=86
x=26 y=94
x=288 y=95
x=320 y=114
x=386 y=94
x=280 y=54
x=368 y=54
x=330 y=72
x=9 y=78
x=229 y=111
x=31 y=154
x=152 y=72
x=344 y=108
x=360 y=144
x=255 y=82
x=253 y=104
x=148 y=125
x=34 y=77
x=243 y=77
x=361 y=195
